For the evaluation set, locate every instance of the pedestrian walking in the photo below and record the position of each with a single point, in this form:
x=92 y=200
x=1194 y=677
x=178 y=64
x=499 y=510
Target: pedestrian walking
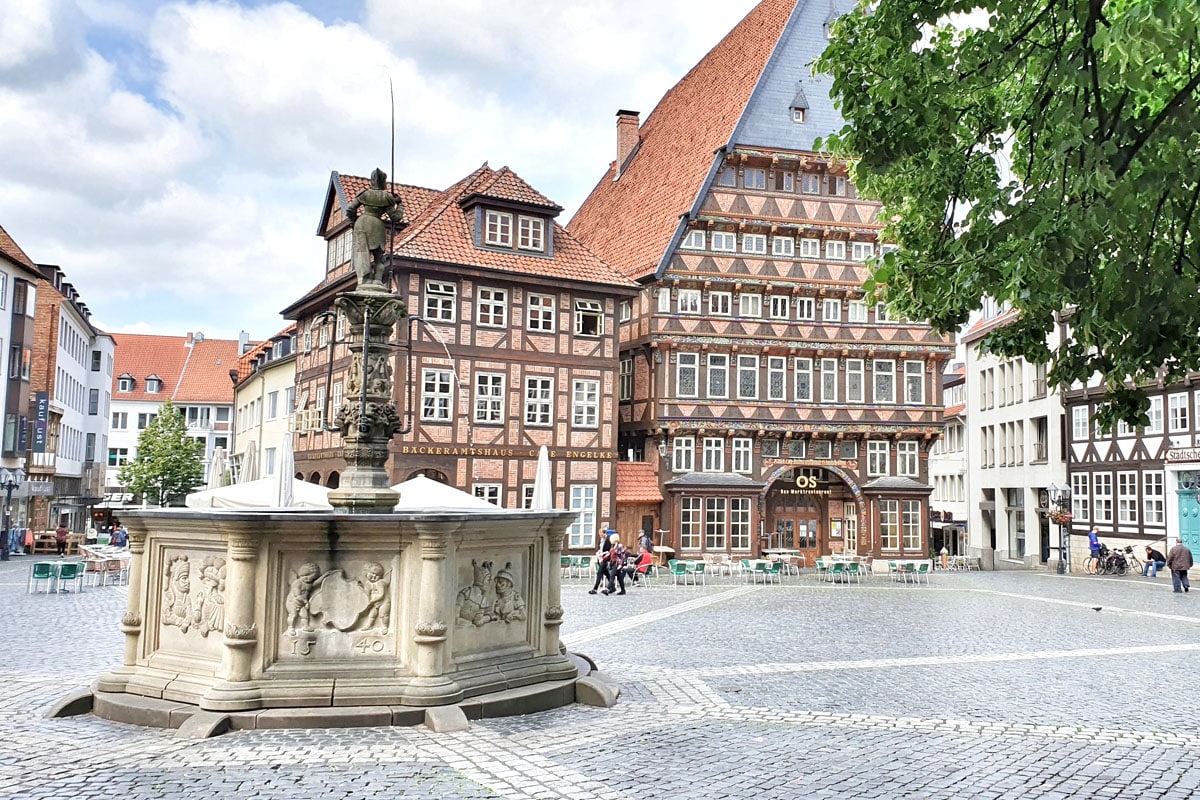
x=60 y=539
x=1179 y=561
x=602 y=565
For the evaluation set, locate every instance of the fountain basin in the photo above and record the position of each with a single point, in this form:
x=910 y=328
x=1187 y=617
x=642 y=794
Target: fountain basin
x=245 y=611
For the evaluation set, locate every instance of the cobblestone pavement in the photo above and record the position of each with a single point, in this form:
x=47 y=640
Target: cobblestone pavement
x=980 y=685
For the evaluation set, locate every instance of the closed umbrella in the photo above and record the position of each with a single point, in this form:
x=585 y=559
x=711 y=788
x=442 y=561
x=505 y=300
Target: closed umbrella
x=216 y=469
x=543 y=482
x=285 y=483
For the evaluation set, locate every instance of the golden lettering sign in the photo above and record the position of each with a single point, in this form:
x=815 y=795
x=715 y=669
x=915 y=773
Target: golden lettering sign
x=503 y=452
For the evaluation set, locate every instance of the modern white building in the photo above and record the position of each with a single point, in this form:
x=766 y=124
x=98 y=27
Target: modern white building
x=1015 y=453
x=948 y=468
x=195 y=373
x=265 y=397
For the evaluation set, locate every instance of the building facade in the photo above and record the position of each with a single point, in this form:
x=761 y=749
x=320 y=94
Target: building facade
x=510 y=344
x=19 y=277
x=264 y=399
x=193 y=372
x=72 y=364
x=948 y=469
x=1016 y=453
x=779 y=406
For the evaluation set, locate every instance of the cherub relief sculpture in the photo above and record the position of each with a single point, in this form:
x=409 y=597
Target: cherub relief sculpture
x=475 y=602
x=509 y=605
x=308 y=576
x=379 y=603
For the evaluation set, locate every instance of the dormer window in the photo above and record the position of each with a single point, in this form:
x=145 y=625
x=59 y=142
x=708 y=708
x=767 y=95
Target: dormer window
x=589 y=318
x=125 y=383
x=499 y=226
x=799 y=105
x=531 y=233
x=153 y=384
x=798 y=115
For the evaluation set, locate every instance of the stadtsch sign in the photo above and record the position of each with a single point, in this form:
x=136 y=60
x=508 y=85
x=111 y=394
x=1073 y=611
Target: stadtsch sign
x=1183 y=454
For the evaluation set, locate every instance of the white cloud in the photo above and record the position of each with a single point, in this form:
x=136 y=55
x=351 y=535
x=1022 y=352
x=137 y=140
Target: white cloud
x=176 y=172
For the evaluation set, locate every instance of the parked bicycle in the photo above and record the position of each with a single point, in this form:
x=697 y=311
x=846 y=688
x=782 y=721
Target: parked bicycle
x=1133 y=562
x=1094 y=565
x=1112 y=562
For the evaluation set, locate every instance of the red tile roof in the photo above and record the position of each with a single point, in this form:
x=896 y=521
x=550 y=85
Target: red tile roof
x=196 y=374
x=413 y=199
x=245 y=365
x=10 y=248
x=637 y=482
x=954 y=411
x=984 y=326
x=441 y=232
x=629 y=222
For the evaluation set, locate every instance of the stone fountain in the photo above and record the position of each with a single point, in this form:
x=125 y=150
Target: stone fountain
x=360 y=616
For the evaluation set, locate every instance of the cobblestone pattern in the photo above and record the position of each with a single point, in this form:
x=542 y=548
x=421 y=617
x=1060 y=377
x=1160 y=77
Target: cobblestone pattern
x=982 y=685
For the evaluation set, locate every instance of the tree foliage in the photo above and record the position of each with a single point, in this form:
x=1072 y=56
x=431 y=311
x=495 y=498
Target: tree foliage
x=1047 y=157
x=168 y=463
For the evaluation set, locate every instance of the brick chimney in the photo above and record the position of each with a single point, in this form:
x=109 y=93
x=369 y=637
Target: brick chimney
x=628 y=137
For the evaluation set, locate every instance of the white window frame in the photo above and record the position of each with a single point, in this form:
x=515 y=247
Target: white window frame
x=491 y=307
x=589 y=311
x=788 y=179
x=437 y=394
x=748 y=366
x=881 y=368
x=488 y=492
x=889 y=525
x=691 y=517
x=877 y=458
x=498 y=228
x=856 y=311
x=723 y=242
x=754 y=243
x=686 y=363
x=695 y=240
x=783 y=246
x=1081 y=497
x=776 y=378
x=441 y=301
x=806 y=309
x=714 y=454
x=683 y=454
x=1079 y=423
x=835 y=249
x=718 y=365
x=582 y=532
x=754 y=178
x=720 y=304
x=908 y=461
x=810 y=248
x=803 y=370
x=716 y=521
x=829 y=380
x=625 y=380
x=855 y=380
x=910 y=525
x=1156 y=415
x=742 y=455
x=489 y=398
x=689 y=301
x=914 y=383
x=1178 y=406
x=585 y=403
x=861 y=251
x=810 y=182
x=750 y=305
x=1102 y=496
x=539 y=401
x=779 y=306
x=1127 y=497
x=540 y=312
x=1153 y=496
x=531 y=233
x=739 y=523
x=831 y=310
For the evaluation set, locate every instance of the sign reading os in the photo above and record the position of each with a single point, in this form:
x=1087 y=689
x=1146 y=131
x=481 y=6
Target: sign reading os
x=807 y=482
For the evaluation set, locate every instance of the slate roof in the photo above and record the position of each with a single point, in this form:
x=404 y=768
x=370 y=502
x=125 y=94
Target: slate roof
x=739 y=94
x=724 y=480
x=196 y=374
x=637 y=482
x=440 y=231
x=895 y=483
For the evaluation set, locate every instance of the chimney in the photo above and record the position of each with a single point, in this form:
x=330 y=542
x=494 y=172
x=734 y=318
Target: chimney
x=628 y=138
x=243 y=342
x=188 y=341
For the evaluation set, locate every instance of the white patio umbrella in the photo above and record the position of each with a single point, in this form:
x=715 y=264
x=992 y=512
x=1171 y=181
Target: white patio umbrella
x=262 y=493
x=216 y=469
x=543 y=482
x=249 y=463
x=422 y=492
x=284 y=481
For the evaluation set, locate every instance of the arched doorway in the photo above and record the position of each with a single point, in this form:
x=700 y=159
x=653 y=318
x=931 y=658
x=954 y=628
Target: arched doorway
x=333 y=481
x=811 y=509
x=315 y=478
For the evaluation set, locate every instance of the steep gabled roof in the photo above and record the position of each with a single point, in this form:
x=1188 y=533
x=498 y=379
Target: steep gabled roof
x=10 y=249
x=740 y=94
x=196 y=374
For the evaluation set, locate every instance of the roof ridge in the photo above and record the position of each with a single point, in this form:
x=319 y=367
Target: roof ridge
x=10 y=248
x=439 y=206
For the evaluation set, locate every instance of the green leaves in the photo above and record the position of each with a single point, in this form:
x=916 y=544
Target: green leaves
x=1049 y=160
x=168 y=463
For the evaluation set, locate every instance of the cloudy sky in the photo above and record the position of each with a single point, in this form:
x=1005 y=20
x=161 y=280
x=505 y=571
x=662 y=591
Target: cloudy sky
x=172 y=158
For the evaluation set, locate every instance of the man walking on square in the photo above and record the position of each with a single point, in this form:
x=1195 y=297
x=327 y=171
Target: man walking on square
x=1179 y=561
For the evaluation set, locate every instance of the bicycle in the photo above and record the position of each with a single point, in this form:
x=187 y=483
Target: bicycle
x=1113 y=562
x=1135 y=564
x=1094 y=564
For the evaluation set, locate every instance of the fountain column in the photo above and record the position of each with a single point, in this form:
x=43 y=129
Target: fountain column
x=131 y=623
x=241 y=633
x=435 y=615
x=552 y=620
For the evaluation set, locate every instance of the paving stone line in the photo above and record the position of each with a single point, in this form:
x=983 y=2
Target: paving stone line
x=626 y=623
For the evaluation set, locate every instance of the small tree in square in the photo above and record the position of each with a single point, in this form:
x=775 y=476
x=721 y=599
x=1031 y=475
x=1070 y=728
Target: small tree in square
x=168 y=464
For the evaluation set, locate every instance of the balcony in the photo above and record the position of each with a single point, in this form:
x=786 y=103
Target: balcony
x=1041 y=452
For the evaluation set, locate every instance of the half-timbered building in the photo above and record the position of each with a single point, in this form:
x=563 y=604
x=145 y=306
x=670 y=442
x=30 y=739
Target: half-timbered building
x=778 y=404
x=512 y=331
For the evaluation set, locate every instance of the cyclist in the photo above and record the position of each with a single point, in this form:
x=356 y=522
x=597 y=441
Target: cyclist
x=1154 y=562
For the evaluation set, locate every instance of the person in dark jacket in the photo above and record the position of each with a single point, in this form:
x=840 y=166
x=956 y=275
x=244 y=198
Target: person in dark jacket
x=616 y=563
x=1154 y=562
x=1179 y=561
x=602 y=565
x=60 y=540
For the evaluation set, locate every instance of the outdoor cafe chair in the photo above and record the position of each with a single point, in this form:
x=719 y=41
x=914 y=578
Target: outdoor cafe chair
x=678 y=570
x=922 y=571
x=853 y=571
x=117 y=571
x=584 y=565
x=565 y=564
x=41 y=571
x=836 y=572
x=72 y=572
x=698 y=570
x=822 y=568
x=772 y=570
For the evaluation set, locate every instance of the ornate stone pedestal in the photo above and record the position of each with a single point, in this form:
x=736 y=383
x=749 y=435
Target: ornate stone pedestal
x=245 y=612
